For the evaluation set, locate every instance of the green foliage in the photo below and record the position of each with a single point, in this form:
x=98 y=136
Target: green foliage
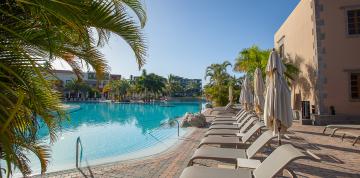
x=193 y=88
x=251 y=58
x=218 y=94
x=173 y=85
x=33 y=33
x=78 y=86
x=217 y=73
x=117 y=89
x=149 y=84
x=217 y=90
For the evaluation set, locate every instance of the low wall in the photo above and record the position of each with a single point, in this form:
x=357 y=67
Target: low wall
x=184 y=99
x=334 y=119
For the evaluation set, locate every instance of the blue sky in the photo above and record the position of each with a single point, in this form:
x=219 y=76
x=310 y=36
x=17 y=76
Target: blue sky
x=186 y=36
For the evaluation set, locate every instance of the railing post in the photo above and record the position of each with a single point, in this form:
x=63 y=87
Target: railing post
x=78 y=143
x=178 y=127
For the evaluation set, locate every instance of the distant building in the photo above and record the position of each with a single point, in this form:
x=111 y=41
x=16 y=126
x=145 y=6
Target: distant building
x=66 y=76
x=115 y=77
x=323 y=38
x=191 y=87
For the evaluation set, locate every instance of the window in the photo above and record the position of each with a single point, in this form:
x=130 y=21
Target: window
x=353 y=22
x=91 y=76
x=355 y=86
x=282 y=51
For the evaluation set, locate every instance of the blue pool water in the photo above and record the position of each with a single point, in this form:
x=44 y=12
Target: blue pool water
x=111 y=132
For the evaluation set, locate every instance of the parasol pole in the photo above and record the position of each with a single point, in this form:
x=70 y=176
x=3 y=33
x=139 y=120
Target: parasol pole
x=279 y=129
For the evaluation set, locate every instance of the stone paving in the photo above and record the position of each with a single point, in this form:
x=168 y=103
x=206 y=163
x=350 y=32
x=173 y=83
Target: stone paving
x=337 y=158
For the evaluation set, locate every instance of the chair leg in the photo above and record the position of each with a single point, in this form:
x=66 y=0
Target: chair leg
x=292 y=174
x=342 y=137
x=356 y=139
x=324 y=130
x=333 y=132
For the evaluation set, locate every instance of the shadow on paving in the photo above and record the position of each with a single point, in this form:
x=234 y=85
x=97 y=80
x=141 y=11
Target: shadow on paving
x=311 y=133
x=337 y=148
x=330 y=158
x=322 y=172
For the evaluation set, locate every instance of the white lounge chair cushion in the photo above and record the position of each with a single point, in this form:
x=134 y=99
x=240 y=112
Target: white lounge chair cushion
x=247 y=163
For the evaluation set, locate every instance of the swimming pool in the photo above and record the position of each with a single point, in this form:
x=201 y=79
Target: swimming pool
x=114 y=131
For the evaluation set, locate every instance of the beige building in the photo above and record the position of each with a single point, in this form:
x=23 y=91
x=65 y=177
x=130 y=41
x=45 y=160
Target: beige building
x=322 y=37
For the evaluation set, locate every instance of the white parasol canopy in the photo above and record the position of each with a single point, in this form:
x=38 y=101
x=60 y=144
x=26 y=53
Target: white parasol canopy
x=277 y=109
x=246 y=96
x=259 y=89
x=231 y=97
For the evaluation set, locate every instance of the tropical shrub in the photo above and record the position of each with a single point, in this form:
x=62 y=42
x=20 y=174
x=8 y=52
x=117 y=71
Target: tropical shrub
x=254 y=57
x=217 y=90
x=34 y=33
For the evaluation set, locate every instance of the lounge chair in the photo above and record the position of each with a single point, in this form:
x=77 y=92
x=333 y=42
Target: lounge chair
x=233 y=131
x=270 y=167
x=227 y=108
x=349 y=133
x=229 y=154
x=338 y=127
x=223 y=120
x=235 y=125
x=237 y=141
x=227 y=117
x=230 y=121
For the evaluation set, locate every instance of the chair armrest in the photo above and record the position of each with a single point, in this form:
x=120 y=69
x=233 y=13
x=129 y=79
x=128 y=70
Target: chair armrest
x=247 y=163
x=240 y=134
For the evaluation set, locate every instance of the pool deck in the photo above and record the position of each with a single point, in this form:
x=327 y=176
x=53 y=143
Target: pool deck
x=337 y=158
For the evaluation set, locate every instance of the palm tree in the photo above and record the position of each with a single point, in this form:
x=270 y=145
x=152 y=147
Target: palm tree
x=217 y=89
x=193 y=88
x=217 y=72
x=124 y=87
x=34 y=33
x=251 y=58
x=173 y=85
x=117 y=89
x=150 y=83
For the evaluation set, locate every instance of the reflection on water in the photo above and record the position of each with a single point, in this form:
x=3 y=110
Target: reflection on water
x=112 y=130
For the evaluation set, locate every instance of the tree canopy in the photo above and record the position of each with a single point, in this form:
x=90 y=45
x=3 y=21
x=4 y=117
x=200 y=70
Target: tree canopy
x=34 y=33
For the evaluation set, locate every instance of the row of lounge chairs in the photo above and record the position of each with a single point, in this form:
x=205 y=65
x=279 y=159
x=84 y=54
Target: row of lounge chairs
x=234 y=135
x=226 y=109
x=82 y=99
x=344 y=130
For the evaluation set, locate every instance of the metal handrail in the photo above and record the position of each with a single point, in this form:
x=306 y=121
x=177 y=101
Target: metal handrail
x=178 y=127
x=78 y=156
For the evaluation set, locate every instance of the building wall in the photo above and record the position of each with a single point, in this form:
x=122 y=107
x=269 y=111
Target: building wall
x=316 y=39
x=298 y=38
x=65 y=76
x=339 y=53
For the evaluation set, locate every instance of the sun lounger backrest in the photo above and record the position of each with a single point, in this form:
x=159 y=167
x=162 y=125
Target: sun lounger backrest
x=228 y=106
x=244 y=119
x=252 y=131
x=259 y=143
x=247 y=124
x=240 y=115
x=277 y=160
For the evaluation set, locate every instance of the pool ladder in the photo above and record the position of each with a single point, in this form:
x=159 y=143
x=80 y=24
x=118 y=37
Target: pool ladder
x=78 y=152
x=178 y=127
